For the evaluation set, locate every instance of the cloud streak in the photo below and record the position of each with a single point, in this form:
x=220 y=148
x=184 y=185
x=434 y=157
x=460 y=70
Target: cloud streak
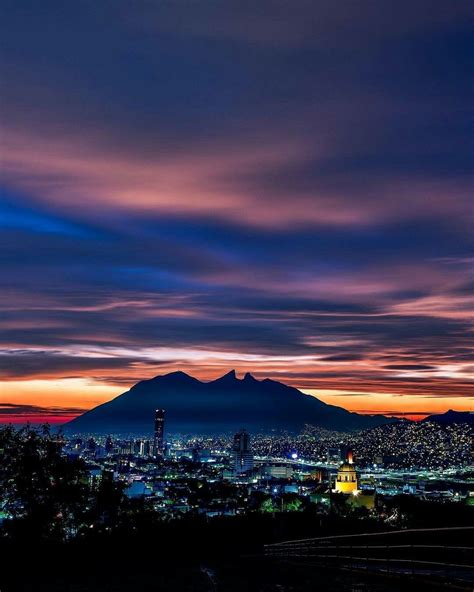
x=281 y=189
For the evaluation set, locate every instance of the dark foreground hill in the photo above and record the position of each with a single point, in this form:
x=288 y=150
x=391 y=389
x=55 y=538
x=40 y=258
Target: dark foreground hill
x=222 y=405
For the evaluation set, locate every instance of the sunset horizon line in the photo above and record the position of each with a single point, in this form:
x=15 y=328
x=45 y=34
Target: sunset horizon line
x=56 y=415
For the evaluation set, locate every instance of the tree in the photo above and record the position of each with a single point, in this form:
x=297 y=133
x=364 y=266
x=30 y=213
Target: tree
x=292 y=503
x=43 y=493
x=107 y=504
x=267 y=505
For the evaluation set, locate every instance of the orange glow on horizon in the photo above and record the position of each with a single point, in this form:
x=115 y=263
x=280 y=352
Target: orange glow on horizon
x=72 y=396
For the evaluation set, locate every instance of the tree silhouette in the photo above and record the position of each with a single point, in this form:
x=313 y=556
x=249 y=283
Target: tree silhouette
x=47 y=496
x=42 y=492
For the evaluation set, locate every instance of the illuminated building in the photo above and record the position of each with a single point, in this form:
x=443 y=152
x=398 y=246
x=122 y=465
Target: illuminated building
x=277 y=470
x=109 y=445
x=125 y=447
x=144 y=448
x=346 y=480
x=242 y=455
x=347 y=483
x=158 y=438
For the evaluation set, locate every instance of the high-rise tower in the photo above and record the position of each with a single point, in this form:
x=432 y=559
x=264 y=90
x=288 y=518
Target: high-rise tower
x=242 y=455
x=158 y=438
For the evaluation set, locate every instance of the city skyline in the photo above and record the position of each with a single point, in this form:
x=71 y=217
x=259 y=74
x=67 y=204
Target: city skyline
x=284 y=189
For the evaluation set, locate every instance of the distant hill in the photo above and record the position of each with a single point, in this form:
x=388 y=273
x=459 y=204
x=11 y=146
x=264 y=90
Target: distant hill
x=221 y=405
x=451 y=417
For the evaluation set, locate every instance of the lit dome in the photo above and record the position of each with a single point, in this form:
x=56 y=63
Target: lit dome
x=346 y=480
x=346 y=468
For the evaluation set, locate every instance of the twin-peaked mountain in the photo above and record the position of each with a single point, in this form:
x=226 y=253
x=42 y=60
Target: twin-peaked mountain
x=219 y=406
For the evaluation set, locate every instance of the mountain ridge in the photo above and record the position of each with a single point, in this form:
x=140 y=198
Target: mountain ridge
x=220 y=405
x=451 y=417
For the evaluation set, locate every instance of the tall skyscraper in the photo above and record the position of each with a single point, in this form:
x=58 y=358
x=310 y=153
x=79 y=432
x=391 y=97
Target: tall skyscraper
x=242 y=455
x=158 y=438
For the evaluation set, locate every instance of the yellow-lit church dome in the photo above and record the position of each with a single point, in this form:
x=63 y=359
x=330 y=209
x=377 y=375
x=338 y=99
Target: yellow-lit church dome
x=346 y=480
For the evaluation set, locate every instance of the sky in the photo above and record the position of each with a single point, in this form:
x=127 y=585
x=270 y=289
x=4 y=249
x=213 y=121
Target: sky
x=277 y=187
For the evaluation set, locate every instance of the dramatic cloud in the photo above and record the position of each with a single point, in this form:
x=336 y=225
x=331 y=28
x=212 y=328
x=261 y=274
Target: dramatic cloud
x=283 y=188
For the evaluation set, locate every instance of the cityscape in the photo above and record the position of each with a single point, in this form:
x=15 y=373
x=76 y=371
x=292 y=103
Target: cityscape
x=236 y=296
x=400 y=478
x=427 y=461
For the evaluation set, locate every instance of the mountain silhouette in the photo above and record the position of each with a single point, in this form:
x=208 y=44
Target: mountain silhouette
x=222 y=405
x=451 y=417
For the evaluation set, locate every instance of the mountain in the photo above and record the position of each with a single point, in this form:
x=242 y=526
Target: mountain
x=451 y=417
x=222 y=405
